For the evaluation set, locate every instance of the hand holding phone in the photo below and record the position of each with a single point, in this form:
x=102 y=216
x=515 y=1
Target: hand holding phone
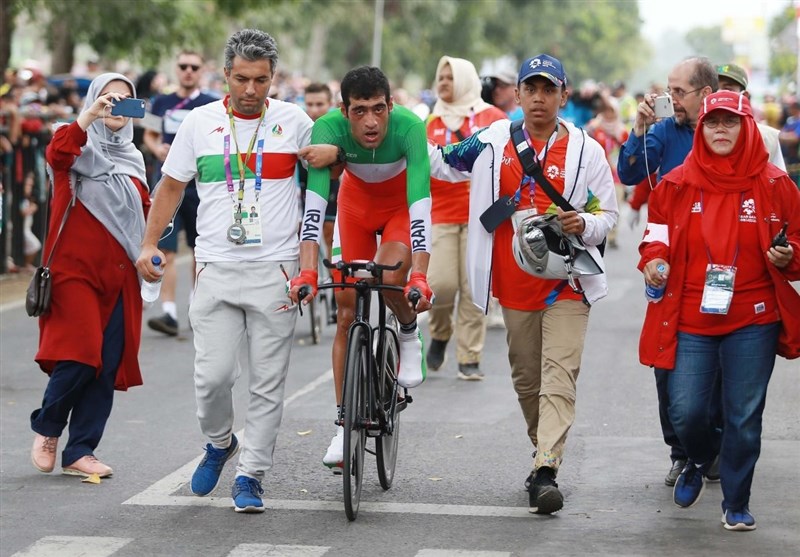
x=780 y=239
x=133 y=108
x=663 y=106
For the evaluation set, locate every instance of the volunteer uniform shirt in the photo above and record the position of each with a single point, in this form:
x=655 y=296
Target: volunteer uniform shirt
x=198 y=152
x=515 y=288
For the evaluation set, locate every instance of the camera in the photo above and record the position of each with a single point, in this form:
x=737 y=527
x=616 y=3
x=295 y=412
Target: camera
x=663 y=106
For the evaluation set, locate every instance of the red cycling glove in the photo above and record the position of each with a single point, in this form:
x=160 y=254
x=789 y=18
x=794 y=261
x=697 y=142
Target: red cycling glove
x=419 y=281
x=307 y=277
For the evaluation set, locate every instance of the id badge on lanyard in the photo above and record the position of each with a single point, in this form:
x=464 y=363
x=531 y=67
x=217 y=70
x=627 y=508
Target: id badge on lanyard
x=718 y=289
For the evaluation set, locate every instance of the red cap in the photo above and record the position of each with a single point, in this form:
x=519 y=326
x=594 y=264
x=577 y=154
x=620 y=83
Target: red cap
x=726 y=100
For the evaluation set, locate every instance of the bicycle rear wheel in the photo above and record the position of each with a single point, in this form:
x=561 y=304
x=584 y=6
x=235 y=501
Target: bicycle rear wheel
x=355 y=415
x=386 y=443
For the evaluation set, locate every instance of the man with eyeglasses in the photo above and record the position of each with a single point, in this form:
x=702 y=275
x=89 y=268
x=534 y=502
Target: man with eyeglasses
x=658 y=147
x=172 y=109
x=669 y=140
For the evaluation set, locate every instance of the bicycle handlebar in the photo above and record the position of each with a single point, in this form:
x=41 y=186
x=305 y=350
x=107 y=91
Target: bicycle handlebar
x=348 y=268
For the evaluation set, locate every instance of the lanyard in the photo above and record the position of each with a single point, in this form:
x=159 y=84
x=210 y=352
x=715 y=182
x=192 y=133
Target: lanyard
x=184 y=101
x=242 y=165
x=528 y=180
x=705 y=243
x=447 y=132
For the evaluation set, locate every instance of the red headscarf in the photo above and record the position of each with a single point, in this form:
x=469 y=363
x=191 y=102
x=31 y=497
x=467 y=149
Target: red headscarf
x=742 y=167
x=733 y=174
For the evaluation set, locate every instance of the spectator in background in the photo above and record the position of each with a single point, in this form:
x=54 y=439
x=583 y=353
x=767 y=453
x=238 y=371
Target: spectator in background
x=610 y=132
x=458 y=113
x=173 y=109
x=89 y=339
x=790 y=140
x=28 y=208
x=499 y=88
x=318 y=102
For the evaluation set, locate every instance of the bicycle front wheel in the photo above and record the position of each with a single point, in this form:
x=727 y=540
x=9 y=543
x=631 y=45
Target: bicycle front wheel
x=355 y=416
x=386 y=443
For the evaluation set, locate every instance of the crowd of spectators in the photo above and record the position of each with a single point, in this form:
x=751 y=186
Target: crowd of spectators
x=31 y=102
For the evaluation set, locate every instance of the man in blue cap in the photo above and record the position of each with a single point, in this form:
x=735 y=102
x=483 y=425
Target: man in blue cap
x=546 y=318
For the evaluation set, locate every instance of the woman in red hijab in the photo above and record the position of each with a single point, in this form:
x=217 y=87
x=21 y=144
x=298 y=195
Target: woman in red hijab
x=728 y=307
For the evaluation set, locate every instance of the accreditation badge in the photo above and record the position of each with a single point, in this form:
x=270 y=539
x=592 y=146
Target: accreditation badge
x=718 y=289
x=251 y=220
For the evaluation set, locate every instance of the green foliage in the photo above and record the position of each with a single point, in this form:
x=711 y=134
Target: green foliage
x=598 y=39
x=783 y=46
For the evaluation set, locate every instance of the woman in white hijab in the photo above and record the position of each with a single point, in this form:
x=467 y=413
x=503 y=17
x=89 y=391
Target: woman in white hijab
x=89 y=339
x=458 y=113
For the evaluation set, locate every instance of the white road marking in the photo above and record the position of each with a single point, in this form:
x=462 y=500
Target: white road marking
x=162 y=489
x=160 y=493
x=268 y=550
x=460 y=553
x=74 y=546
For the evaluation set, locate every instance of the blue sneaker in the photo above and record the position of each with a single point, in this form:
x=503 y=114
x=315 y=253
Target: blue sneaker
x=689 y=486
x=246 y=495
x=739 y=521
x=206 y=476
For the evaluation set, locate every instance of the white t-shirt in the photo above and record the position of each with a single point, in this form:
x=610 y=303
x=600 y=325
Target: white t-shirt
x=198 y=152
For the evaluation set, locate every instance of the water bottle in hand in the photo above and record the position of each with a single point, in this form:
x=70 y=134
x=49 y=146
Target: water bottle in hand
x=655 y=293
x=151 y=290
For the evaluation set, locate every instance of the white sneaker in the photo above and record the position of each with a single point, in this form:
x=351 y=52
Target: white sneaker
x=413 y=369
x=334 y=458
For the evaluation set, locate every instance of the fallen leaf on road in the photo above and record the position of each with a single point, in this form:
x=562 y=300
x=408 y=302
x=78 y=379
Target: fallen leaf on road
x=435 y=479
x=302 y=433
x=459 y=436
x=93 y=479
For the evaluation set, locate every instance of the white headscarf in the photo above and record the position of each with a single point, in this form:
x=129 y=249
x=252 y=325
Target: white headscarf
x=104 y=169
x=466 y=93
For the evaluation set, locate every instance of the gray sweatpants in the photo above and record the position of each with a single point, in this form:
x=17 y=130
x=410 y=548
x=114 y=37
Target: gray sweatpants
x=241 y=309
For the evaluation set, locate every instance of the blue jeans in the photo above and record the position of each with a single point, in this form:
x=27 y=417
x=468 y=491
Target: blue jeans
x=77 y=394
x=744 y=359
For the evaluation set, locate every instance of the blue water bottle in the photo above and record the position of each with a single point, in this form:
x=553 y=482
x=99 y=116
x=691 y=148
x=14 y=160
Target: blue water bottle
x=152 y=290
x=655 y=293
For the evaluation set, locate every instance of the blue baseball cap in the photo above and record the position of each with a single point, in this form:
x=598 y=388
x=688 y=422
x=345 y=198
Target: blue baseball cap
x=545 y=66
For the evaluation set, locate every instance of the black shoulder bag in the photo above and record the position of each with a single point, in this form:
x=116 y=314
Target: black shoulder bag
x=37 y=298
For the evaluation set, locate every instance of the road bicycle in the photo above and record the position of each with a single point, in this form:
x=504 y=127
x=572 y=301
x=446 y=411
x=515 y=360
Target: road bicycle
x=322 y=309
x=371 y=398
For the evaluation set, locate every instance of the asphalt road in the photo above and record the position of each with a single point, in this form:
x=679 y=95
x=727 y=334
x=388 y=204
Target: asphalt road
x=458 y=488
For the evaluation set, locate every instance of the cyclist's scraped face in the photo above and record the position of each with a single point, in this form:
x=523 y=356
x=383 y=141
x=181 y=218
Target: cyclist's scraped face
x=369 y=120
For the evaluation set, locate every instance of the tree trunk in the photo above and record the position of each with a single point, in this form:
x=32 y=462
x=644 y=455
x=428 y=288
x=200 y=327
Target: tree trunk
x=63 y=47
x=6 y=30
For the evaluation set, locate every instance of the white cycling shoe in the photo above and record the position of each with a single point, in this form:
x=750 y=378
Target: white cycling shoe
x=334 y=458
x=413 y=369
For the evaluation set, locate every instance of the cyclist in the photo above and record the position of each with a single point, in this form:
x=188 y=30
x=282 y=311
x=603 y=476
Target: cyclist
x=385 y=189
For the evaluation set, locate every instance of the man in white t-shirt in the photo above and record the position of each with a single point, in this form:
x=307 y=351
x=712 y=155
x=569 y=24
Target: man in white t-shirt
x=242 y=152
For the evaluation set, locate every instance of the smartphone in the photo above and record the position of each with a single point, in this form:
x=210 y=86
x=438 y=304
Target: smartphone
x=663 y=107
x=133 y=108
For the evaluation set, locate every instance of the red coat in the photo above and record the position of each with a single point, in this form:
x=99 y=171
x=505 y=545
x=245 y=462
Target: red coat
x=90 y=272
x=670 y=204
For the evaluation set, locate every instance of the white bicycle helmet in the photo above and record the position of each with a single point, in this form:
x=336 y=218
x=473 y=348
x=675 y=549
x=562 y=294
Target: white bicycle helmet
x=542 y=249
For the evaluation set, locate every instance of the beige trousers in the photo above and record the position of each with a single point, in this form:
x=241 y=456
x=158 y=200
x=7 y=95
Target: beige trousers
x=544 y=350
x=447 y=277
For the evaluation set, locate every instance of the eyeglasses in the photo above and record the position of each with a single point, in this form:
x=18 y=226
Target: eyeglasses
x=727 y=122
x=185 y=67
x=680 y=93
